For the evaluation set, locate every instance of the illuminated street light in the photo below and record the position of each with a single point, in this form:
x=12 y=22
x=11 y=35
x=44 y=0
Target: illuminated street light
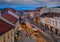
x=16 y=35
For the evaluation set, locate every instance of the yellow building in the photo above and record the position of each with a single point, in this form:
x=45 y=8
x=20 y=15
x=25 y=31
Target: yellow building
x=8 y=25
x=6 y=32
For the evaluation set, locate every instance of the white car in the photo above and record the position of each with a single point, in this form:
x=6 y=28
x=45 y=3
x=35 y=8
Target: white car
x=35 y=31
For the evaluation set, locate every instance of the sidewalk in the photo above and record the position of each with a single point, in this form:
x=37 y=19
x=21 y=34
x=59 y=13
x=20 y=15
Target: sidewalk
x=52 y=34
x=44 y=35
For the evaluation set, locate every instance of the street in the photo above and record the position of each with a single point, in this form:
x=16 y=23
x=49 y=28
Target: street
x=30 y=21
x=25 y=36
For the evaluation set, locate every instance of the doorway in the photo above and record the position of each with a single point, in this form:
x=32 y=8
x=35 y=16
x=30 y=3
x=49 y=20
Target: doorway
x=56 y=31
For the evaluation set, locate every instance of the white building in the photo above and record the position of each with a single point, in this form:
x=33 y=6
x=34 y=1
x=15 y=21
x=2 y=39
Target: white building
x=55 y=10
x=28 y=13
x=44 y=10
x=52 y=23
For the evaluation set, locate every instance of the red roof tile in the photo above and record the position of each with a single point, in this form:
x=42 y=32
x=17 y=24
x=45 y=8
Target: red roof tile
x=4 y=26
x=10 y=18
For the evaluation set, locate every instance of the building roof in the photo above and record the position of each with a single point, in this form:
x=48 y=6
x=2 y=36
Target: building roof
x=10 y=18
x=56 y=7
x=50 y=15
x=4 y=27
x=28 y=10
x=38 y=8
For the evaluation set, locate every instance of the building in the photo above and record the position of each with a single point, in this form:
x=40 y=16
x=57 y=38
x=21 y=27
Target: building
x=55 y=10
x=28 y=13
x=44 y=10
x=6 y=30
x=37 y=14
x=52 y=22
x=10 y=15
x=9 y=22
x=51 y=10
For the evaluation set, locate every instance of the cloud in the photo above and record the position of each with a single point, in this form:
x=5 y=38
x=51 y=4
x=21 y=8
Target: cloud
x=31 y=2
x=54 y=0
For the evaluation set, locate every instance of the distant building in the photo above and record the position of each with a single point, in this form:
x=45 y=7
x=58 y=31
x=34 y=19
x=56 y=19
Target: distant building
x=37 y=14
x=28 y=13
x=46 y=10
x=55 y=10
x=52 y=22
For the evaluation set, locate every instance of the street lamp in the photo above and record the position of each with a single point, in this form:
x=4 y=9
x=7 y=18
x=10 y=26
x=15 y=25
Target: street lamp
x=16 y=35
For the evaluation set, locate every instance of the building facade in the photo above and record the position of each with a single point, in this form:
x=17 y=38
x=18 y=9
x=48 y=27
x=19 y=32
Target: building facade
x=6 y=32
x=28 y=13
x=10 y=15
x=52 y=21
x=8 y=25
x=37 y=14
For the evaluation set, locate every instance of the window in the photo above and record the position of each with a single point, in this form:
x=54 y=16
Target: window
x=56 y=23
x=12 y=33
x=53 y=22
x=59 y=22
x=8 y=36
x=4 y=39
x=50 y=21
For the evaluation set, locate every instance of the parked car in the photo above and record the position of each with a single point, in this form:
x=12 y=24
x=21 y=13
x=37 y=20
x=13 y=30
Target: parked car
x=35 y=31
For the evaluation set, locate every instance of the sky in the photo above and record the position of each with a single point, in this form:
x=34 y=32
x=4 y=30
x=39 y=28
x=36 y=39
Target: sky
x=28 y=4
